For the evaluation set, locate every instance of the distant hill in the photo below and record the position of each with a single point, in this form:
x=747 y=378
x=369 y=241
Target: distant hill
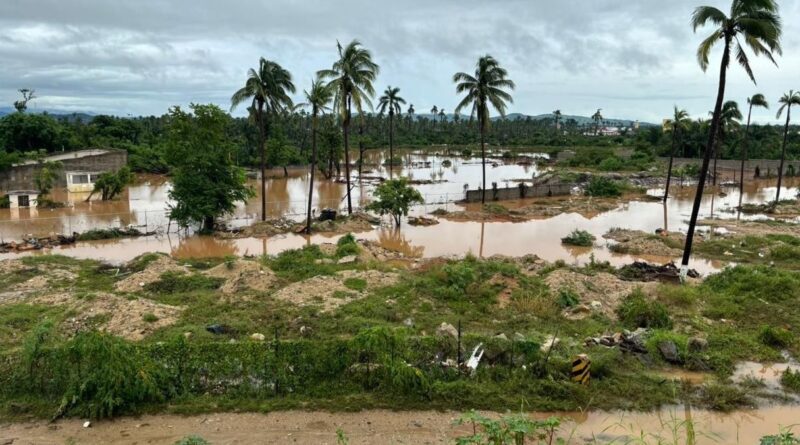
x=69 y=115
x=581 y=120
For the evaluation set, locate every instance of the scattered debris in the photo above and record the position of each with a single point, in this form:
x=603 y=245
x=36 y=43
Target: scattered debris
x=447 y=330
x=642 y=271
x=422 y=221
x=475 y=358
x=257 y=337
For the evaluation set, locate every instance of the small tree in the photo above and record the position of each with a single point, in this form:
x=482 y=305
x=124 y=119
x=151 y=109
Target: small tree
x=47 y=176
x=109 y=184
x=206 y=183
x=394 y=197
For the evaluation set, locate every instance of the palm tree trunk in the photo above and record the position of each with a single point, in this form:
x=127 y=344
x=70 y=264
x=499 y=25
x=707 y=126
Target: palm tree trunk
x=671 y=157
x=360 y=145
x=698 y=197
x=745 y=143
x=313 y=167
x=717 y=149
x=783 y=153
x=346 y=125
x=483 y=164
x=391 y=144
x=263 y=149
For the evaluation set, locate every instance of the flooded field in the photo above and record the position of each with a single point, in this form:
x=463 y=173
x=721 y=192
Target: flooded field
x=442 y=181
x=680 y=425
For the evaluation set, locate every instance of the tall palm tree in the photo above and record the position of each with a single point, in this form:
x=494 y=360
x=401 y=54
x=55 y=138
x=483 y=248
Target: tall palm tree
x=556 y=118
x=351 y=78
x=434 y=112
x=758 y=24
x=268 y=91
x=317 y=97
x=678 y=124
x=410 y=114
x=486 y=87
x=757 y=100
x=787 y=101
x=442 y=115
x=391 y=101
x=729 y=117
x=597 y=118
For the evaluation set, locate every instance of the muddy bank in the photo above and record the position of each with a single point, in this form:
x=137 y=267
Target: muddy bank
x=30 y=242
x=355 y=223
x=637 y=242
x=670 y=425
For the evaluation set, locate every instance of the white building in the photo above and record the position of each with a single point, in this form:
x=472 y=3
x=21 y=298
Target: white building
x=22 y=198
x=81 y=181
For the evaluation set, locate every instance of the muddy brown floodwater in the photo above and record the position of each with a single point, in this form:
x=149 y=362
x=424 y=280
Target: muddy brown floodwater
x=441 y=183
x=674 y=425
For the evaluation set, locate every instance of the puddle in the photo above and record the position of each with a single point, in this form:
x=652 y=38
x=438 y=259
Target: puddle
x=768 y=373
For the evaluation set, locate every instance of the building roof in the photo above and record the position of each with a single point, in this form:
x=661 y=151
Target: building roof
x=71 y=155
x=22 y=192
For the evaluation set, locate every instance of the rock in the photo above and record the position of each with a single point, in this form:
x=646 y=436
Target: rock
x=305 y=331
x=257 y=337
x=697 y=344
x=218 y=329
x=87 y=424
x=8 y=441
x=187 y=335
x=446 y=329
x=608 y=340
x=549 y=343
x=634 y=341
x=349 y=259
x=669 y=351
x=596 y=305
x=416 y=423
x=324 y=261
x=519 y=337
x=501 y=336
x=409 y=322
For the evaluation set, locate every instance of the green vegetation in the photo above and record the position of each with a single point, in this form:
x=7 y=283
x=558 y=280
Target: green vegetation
x=394 y=197
x=600 y=186
x=206 y=184
x=790 y=379
x=111 y=184
x=579 y=238
x=636 y=311
x=192 y=440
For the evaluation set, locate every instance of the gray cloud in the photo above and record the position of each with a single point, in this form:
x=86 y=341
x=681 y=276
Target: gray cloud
x=633 y=59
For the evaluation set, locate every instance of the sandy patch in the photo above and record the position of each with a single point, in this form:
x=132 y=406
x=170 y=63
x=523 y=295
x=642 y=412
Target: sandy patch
x=509 y=286
x=758 y=228
x=151 y=274
x=330 y=291
x=241 y=275
x=603 y=288
x=637 y=242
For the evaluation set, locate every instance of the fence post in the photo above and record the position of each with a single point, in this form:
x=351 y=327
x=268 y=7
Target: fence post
x=458 y=345
x=277 y=364
x=145 y=221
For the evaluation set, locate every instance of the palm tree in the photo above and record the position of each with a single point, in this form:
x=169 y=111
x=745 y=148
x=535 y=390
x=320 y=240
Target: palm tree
x=442 y=115
x=268 y=90
x=486 y=87
x=556 y=118
x=788 y=99
x=759 y=25
x=410 y=113
x=758 y=100
x=679 y=123
x=351 y=79
x=391 y=101
x=597 y=118
x=729 y=116
x=317 y=98
x=434 y=112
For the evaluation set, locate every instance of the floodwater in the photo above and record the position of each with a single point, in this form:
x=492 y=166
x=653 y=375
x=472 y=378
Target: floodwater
x=441 y=180
x=679 y=425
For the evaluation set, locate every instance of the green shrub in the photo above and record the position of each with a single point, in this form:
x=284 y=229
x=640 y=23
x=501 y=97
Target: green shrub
x=357 y=284
x=791 y=380
x=567 y=298
x=300 y=264
x=149 y=317
x=775 y=337
x=611 y=164
x=466 y=152
x=636 y=311
x=579 y=238
x=495 y=209
x=601 y=186
x=175 y=282
x=192 y=440
x=347 y=246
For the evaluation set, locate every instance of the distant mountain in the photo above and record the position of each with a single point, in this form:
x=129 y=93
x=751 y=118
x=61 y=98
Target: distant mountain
x=581 y=120
x=69 y=115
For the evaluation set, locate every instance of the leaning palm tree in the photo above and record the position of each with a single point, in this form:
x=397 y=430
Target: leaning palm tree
x=351 y=78
x=787 y=101
x=758 y=100
x=268 y=91
x=597 y=118
x=390 y=102
x=758 y=24
x=728 y=119
x=486 y=87
x=318 y=98
x=556 y=118
x=678 y=124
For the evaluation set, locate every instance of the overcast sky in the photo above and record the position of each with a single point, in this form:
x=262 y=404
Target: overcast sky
x=633 y=59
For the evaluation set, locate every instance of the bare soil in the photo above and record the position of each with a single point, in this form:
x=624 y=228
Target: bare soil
x=758 y=228
x=151 y=274
x=330 y=291
x=601 y=287
x=637 y=242
x=241 y=275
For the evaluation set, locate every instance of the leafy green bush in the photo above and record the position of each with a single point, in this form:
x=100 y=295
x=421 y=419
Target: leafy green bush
x=357 y=284
x=192 y=440
x=300 y=264
x=567 y=298
x=791 y=380
x=466 y=152
x=601 y=186
x=175 y=282
x=775 y=337
x=579 y=238
x=347 y=246
x=636 y=311
x=612 y=163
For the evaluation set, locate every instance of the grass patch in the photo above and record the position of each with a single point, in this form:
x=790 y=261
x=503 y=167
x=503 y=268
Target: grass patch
x=600 y=186
x=356 y=284
x=579 y=238
x=636 y=311
x=176 y=282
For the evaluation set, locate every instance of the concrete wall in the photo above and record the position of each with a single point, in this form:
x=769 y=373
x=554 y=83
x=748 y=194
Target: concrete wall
x=21 y=176
x=508 y=193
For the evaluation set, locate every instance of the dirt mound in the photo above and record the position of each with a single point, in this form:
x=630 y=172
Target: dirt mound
x=509 y=286
x=241 y=275
x=11 y=266
x=637 y=242
x=374 y=251
x=332 y=291
x=151 y=273
x=603 y=288
x=132 y=319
